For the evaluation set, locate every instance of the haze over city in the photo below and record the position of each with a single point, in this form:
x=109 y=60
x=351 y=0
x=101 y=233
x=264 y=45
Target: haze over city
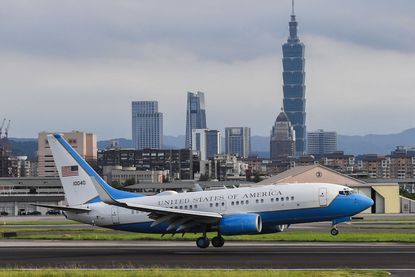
x=76 y=65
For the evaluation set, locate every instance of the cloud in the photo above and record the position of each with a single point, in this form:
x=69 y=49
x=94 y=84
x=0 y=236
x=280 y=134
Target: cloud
x=78 y=65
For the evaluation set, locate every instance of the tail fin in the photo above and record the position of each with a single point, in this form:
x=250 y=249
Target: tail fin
x=77 y=176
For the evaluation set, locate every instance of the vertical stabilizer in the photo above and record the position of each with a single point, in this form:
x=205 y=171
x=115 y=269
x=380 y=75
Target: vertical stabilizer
x=76 y=182
x=79 y=179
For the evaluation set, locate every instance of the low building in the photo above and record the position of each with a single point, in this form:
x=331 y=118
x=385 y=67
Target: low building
x=122 y=174
x=16 y=194
x=385 y=195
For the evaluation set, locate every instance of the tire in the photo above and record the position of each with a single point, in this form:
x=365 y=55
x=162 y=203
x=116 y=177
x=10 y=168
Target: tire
x=334 y=232
x=218 y=241
x=202 y=242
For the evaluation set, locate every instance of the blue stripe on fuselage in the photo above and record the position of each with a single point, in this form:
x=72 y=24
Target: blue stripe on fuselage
x=341 y=206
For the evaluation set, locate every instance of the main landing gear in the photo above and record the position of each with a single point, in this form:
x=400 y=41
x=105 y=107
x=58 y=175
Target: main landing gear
x=203 y=242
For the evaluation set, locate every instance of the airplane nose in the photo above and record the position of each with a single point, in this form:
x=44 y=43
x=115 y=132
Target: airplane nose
x=365 y=202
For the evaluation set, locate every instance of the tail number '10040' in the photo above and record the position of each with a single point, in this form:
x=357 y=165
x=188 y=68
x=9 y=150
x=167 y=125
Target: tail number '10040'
x=79 y=183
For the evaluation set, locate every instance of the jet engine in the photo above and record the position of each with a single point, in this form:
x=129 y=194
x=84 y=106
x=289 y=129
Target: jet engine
x=240 y=224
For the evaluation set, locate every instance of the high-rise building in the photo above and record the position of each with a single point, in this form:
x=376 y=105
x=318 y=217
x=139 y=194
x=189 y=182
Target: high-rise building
x=83 y=143
x=206 y=142
x=282 y=144
x=147 y=125
x=195 y=115
x=294 y=84
x=321 y=142
x=238 y=141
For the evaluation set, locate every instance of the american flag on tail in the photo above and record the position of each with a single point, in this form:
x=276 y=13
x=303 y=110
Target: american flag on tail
x=70 y=170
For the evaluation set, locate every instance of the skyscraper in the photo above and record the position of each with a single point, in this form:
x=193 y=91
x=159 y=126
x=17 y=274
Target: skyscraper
x=238 y=141
x=294 y=84
x=147 y=125
x=207 y=142
x=195 y=115
x=321 y=142
x=282 y=144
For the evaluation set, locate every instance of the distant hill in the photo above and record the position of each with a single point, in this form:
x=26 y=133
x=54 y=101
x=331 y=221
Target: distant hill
x=375 y=144
x=24 y=147
x=367 y=144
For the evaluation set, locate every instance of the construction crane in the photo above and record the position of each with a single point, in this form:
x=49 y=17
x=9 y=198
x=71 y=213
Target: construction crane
x=6 y=131
x=2 y=125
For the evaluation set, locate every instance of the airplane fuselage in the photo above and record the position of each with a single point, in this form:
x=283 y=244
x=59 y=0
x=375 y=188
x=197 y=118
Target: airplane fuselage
x=276 y=204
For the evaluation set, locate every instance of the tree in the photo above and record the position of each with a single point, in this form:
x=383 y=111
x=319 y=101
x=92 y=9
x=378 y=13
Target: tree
x=116 y=184
x=257 y=178
x=203 y=177
x=129 y=182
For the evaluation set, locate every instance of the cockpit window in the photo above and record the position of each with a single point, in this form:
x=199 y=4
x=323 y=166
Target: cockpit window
x=345 y=192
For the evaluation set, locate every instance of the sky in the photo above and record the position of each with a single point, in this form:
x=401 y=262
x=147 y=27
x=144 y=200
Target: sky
x=77 y=65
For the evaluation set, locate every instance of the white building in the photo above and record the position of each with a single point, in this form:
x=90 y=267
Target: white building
x=206 y=142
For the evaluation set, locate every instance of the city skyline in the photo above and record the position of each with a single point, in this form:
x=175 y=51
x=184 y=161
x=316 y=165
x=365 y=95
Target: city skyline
x=359 y=60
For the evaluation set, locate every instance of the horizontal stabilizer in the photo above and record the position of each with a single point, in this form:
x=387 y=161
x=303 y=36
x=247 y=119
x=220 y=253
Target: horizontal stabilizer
x=63 y=208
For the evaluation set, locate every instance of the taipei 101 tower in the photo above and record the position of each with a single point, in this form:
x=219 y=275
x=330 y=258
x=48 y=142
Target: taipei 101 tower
x=294 y=84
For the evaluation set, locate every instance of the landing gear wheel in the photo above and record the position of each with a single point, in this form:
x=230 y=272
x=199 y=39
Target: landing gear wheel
x=202 y=242
x=218 y=241
x=334 y=231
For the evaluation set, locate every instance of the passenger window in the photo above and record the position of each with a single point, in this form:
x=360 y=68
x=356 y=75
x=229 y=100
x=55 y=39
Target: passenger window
x=272 y=199
x=223 y=203
x=211 y=205
x=190 y=207
x=282 y=198
x=185 y=207
x=242 y=202
x=256 y=200
x=292 y=197
x=181 y=207
x=277 y=199
x=287 y=198
x=233 y=203
x=195 y=206
x=247 y=202
x=237 y=202
x=262 y=200
x=217 y=204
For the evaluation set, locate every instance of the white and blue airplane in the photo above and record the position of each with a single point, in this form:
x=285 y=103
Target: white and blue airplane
x=237 y=211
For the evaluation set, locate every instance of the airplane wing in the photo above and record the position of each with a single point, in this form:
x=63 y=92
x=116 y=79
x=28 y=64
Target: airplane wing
x=64 y=208
x=179 y=220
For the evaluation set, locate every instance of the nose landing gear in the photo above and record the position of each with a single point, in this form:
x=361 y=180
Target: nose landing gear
x=334 y=231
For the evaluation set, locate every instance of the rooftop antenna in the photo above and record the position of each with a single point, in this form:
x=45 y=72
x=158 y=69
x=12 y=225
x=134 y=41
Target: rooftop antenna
x=292 y=7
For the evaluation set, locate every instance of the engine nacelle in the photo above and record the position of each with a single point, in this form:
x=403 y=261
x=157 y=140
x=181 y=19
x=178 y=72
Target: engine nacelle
x=268 y=228
x=240 y=224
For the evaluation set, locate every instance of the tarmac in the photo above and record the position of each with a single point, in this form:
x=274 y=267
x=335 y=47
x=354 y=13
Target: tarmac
x=393 y=257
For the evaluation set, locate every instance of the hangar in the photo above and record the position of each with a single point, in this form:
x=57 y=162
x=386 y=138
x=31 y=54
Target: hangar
x=385 y=195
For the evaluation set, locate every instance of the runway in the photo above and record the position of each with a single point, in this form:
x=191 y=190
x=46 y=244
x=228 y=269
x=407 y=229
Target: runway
x=252 y=255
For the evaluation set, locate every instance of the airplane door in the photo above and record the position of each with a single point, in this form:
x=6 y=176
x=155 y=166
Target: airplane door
x=322 y=196
x=115 y=215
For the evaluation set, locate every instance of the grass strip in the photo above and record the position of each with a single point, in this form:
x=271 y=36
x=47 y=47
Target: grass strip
x=293 y=236
x=190 y=273
x=37 y=222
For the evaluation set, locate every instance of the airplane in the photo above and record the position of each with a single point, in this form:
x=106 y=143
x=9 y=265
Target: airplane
x=235 y=211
